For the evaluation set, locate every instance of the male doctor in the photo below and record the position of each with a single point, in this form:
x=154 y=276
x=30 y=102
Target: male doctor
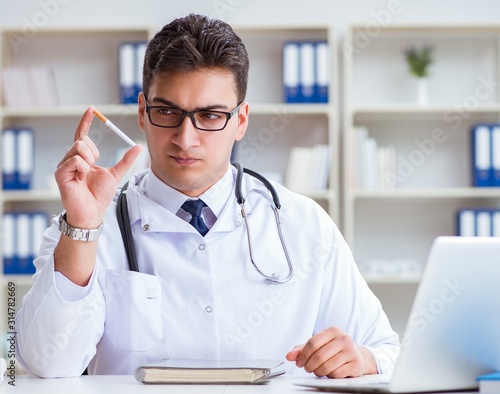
x=196 y=294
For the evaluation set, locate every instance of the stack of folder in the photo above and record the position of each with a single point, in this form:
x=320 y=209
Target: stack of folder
x=473 y=222
x=308 y=168
x=23 y=233
x=32 y=86
x=17 y=158
x=306 y=69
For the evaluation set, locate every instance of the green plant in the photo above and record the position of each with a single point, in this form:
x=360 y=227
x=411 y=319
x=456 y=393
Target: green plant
x=419 y=60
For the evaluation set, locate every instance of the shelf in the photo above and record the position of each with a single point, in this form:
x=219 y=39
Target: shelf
x=457 y=193
x=409 y=109
x=30 y=195
x=68 y=111
x=299 y=109
x=18 y=280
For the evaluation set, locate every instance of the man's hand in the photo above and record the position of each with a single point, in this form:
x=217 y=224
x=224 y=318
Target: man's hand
x=86 y=191
x=333 y=353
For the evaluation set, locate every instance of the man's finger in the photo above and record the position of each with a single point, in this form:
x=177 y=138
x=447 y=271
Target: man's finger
x=293 y=354
x=84 y=125
x=121 y=168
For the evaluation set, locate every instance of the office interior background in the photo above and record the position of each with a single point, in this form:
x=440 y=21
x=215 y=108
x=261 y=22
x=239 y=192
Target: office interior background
x=426 y=141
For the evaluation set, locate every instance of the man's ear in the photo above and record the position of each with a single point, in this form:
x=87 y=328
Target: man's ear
x=141 y=112
x=243 y=113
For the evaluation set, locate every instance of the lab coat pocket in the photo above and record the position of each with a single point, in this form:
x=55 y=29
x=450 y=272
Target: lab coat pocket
x=133 y=310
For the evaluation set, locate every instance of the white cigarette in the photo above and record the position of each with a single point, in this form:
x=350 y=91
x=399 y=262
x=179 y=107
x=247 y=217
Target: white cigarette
x=115 y=129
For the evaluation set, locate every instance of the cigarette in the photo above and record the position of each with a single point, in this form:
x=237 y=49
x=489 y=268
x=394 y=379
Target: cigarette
x=115 y=129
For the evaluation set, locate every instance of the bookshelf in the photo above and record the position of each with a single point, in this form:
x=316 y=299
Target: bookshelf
x=85 y=64
x=434 y=170
x=276 y=127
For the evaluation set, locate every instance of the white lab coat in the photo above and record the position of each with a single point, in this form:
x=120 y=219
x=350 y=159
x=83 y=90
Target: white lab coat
x=199 y=297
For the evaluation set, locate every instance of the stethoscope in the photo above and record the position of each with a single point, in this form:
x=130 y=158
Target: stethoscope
x=128 y=241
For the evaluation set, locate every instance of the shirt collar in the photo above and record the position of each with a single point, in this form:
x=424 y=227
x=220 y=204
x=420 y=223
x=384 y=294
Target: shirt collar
x=172 y=199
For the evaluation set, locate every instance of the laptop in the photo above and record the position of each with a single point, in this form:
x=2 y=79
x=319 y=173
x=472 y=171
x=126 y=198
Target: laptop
x=453 y=332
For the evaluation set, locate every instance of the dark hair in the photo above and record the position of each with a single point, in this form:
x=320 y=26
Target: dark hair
x=195 y=42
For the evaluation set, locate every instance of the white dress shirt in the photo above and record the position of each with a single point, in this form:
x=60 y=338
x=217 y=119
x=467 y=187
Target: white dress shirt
x=199 y=297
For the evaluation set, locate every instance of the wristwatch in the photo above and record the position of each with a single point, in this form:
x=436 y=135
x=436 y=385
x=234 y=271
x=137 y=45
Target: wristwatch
x=78 y=234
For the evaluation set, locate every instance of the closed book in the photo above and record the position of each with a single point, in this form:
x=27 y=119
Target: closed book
x=466 y=223
x=489 y=383
x=483 y=223
x=495 y=155
x=495 y=223
x=322 y=72
x=291 y=72
x=25 y=158
x=307 y=72
x=184 y=371
x=482 y=168
x=299 y=169
x=140 y=53
x=8 y=245
x=127 y=74
x=9 y=174
x=24 y=262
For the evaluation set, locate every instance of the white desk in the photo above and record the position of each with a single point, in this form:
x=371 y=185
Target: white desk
x=126 y=384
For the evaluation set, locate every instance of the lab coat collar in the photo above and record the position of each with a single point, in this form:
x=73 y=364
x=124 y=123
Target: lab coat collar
x=220 y=198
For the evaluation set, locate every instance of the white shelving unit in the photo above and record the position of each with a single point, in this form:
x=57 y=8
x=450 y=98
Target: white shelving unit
x=85 y=63
x=276 y=127
x=434 y=174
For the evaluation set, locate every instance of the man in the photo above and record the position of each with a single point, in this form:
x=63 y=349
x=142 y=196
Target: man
x=197 y=293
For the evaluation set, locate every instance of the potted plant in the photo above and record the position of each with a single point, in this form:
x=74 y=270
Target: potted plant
x=419 y=61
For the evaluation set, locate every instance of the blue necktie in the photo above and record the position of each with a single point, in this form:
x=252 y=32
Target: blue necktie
x=194 y=208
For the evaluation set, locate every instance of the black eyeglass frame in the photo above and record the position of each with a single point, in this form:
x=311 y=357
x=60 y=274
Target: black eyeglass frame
x=191 y=114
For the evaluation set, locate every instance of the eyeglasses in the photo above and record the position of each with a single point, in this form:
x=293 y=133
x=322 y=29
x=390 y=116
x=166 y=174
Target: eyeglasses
x=205 y=120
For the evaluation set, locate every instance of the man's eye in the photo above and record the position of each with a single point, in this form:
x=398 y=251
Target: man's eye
x=165 y=111
x=210 y=115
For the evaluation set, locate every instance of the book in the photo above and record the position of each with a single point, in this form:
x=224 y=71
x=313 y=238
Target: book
x=291 y=72
x=481 y=145
x=32 y=86
x=489 y=383
x=322 y=65
x=306 y=72
x=183 y=371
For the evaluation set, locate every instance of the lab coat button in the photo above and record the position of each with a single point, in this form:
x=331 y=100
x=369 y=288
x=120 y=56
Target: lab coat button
x=201 y=247
x=237 y=224
x=208 y=309
x=145 y=227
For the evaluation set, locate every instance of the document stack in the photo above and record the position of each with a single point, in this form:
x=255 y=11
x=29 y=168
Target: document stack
x=372 y=167
x=131 y=59
x=29 y=86
x=486 y=155
x=306 y=69
x=308 y=168
x=472 y=222
x=17 y=158
x=23 y=232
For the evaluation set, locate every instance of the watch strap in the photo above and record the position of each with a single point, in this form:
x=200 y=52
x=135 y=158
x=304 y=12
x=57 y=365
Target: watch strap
x=78 y=234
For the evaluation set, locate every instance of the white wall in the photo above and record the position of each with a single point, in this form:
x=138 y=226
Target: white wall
x=52 y=13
